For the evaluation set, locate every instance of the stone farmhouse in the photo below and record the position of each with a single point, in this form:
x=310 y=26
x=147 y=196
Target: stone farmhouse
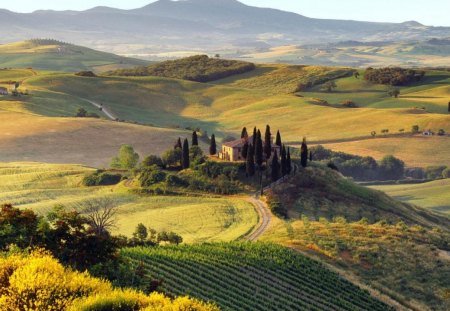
x=232 y=151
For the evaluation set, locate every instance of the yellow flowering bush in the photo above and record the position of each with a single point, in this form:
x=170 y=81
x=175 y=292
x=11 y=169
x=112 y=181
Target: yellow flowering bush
x=38 y=282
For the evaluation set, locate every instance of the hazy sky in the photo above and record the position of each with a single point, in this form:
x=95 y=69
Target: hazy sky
x=429 y=12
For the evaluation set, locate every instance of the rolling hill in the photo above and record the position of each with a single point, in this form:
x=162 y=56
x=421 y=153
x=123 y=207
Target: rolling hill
x=198 y=25
x=55 y=55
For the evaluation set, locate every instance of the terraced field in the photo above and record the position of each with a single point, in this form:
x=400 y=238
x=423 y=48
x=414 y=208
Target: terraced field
x=198 y=219
x=251 y=276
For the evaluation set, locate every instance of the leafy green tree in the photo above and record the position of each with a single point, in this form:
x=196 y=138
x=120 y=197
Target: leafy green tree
x=140 y=233
x=267 y=143
x=82 y=113
x=126 y=159
x=195 y=153
x=244 y=133
x=185 y=155
x=250 y=162
x=394 y=92
x=391 y=168
x=304 y=153
x=17 y=227
x=330 y=86
x=152 y=160
x=278 y=140
x=151 y=175
x=275 y=167
x=356 y=74
x=212 y=145
x=194 y=139
x=172 y=157
x=259 y=153
x=415 y=129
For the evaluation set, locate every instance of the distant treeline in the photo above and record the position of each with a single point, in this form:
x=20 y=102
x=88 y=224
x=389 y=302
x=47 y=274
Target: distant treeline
x=48 y=42
x=198 y=68
x=394 y=76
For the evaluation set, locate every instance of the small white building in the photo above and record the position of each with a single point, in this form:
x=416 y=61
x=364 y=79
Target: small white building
x=3 y=91
x=428 y=133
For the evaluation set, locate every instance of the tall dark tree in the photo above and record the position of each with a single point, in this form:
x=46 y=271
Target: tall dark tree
x=267 y=143
x=212 y=145
x=278 y=140
x=310 y=156
x=288 y=161
x=244 y=133
x=244 y=150
x=250 y=162
x=304 y=153
x=185 y=155
x=254 y=137
x=284 y=170
x=259 y=158
x=275 y=166
x=194 y=139
x=178 y=144
x=449 y=107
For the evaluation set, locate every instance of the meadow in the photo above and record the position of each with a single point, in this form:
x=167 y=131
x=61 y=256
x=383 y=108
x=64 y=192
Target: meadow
x=434 y=195
x=40 y=187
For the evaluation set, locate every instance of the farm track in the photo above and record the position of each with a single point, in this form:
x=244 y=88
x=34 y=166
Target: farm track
x=103 y=109
x=265 y=215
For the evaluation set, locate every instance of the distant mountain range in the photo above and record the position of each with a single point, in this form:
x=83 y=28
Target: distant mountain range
x=208 y=25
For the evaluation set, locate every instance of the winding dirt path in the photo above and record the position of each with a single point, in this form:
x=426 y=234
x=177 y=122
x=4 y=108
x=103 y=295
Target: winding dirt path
x=108 y=113
x=265 y=215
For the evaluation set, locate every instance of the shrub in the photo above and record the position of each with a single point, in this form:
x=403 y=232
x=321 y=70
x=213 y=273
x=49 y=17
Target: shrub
x=349 y=104
x=89 y=74
x=446 y=173
x=152 y=160
x=151 y=175
x=391 y=168
x=434 y=172
x=176 y=181
x=101 y=179
x=172 y=157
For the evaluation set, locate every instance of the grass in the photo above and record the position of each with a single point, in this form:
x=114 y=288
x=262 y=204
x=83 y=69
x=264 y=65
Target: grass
x=251 y=276
x=61 y=57
x=413 y=150
x=405 y=263
x=396 y=248
x=27 y=137
x=434 y=195
x=40 y=187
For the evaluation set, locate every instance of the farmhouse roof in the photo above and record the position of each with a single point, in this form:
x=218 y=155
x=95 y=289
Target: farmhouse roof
x=239 y=142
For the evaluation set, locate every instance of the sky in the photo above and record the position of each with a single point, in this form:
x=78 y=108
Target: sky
x=428 y=12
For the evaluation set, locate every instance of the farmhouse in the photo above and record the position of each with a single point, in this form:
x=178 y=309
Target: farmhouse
x=232 y=151
x=428 y=133
x=3 y=91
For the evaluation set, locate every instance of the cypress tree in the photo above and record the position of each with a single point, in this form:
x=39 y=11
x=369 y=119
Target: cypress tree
x=212 y=145
x=259 y=150
x=284 y=170
x=244 y=150
x=185 y=155
x=194 y=139
x=254 y=137
x=278 y=140
x=244 y=133
x=250 y=162
x=275 y=167
x=288 y=161
x=178 y=144
x=268 y=143
x=310 y=156
x=304 y=153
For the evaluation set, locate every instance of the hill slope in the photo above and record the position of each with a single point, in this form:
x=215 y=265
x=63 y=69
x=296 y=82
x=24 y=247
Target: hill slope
x=251 y=277
x=195 y=24
x=59 y=56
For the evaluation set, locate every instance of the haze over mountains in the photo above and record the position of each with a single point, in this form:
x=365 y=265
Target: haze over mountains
x=208 y=25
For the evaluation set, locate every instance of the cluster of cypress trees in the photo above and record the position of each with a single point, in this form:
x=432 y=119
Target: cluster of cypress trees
x=256 y=151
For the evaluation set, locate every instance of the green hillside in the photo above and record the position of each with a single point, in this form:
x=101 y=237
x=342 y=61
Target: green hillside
x=59 y=56
x=398 y=249
x=251 y=277
x=434 y=195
